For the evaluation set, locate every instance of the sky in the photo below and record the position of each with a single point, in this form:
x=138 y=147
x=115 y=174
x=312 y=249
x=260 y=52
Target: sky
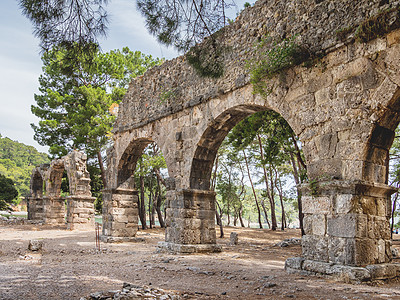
x=20 y=64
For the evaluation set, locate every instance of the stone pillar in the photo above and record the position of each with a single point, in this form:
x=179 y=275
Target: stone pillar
x=80 y=212
x=54 y=210
x=346 y=224
x=190 y=222
x=35 y=209
x=120 y=215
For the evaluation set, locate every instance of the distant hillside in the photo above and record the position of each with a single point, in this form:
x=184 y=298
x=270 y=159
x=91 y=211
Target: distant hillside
x=17 y=161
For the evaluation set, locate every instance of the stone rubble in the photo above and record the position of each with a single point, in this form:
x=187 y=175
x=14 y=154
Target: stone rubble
x=130 y=291
x=233 y=239
x=288 y=242
x=11 y=220
x=35 y=245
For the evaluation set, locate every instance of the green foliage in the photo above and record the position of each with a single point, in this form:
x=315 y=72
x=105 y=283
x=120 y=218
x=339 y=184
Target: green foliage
x=183 y=24
x=96 y=184
x=207 y=58
x=272 y=151
x=313 y=185
x=372 y=27
x=271 y=58
x=17 y=161
x=66 y=22
x=343 y=33
x=247 y=4
x=76 y=94
x=378 y=25
x=167 y=95
x=8 y=192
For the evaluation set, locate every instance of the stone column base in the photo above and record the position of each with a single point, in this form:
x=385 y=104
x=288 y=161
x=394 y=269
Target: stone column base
x=342 y=272
x=119 y=239
x=80 y=212
x=188 y=248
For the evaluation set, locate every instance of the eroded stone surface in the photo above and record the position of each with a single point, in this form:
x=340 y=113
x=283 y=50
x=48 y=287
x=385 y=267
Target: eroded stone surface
x=46 y=203
x=344 y=108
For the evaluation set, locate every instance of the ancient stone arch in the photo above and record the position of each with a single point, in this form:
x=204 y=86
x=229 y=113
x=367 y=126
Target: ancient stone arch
x=50 y=206
x=344 y=107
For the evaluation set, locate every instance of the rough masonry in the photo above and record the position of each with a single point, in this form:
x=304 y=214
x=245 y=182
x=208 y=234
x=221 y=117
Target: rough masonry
x=46 y=204
x=344 y=107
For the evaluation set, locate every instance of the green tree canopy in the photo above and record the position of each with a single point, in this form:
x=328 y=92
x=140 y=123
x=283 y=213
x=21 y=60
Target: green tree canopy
x=183 y=23
x=65 y=22
x=17 y=161
x=8 y=192
x=77 y=94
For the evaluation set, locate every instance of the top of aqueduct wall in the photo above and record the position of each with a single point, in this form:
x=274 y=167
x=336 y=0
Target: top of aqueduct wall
x=315 y=23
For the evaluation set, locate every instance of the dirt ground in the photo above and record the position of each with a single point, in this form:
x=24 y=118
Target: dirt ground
x=69 y=267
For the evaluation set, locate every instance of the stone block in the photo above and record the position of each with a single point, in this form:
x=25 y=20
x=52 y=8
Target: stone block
x=316 y=204
x=319 y=224
x=382 y=206
x=120 y=218
x=393 y=37
x=294 y=263
x=349 y=225
x=382 y=271
x=381 y=248
x=368 y=205
x=350 y=274
x=316 y=266
x=337 y=250
x=35 y=245
x=361 y=252
x=307 y=224
x=315 y=248
x=205 y=214
x=351 y=69
x=344 y=203
x=133 y=219
x=127 y=204
x=189 y=236
x=233 y=238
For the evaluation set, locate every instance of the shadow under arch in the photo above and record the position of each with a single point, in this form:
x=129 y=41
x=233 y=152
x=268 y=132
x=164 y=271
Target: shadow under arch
x=376 y=155
x=121 y=200
x=211 y=140
x=127 y=164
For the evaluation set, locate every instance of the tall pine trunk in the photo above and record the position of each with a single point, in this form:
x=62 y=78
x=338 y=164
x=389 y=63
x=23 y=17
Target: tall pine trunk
x=102 y=171
x=278 y=185
x=219 y=217
x=265 y=213
x=241 y=216
x=254 y=191
x=142 y=207
x=270 y=191
x=158 y=204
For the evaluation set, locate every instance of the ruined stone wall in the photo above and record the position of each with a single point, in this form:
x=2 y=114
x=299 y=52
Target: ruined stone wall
x=46 y=204
x=315 y=24
x=344 y=107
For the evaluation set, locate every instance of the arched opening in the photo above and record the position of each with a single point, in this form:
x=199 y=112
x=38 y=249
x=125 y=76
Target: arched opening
x=211 y=140
x=128 y=161
x=138 y=199
x=37 y=188
x=249 y=175
x=382 y=166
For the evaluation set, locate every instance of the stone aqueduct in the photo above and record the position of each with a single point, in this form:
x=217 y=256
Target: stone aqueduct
x=344 y=109
x=46 y=203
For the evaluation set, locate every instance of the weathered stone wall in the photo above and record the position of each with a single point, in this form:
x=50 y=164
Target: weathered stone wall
x=315 y=24
x=344 y=108
x=50 y=206
x=120 y=214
